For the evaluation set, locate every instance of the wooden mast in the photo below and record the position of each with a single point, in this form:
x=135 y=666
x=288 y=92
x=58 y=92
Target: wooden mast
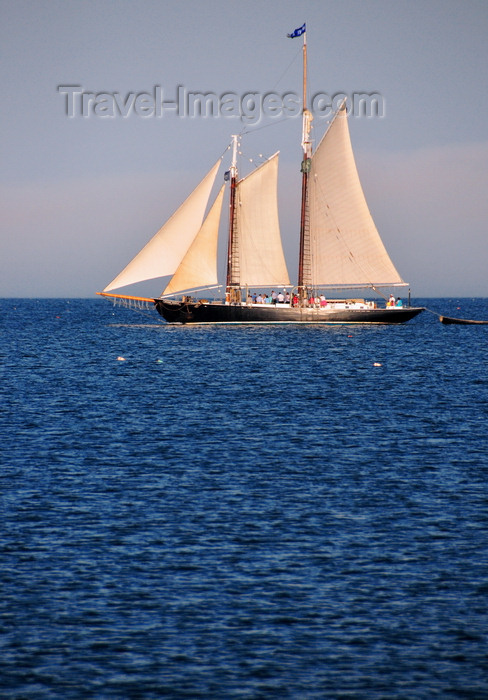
x=304 y=252
x=230 y=281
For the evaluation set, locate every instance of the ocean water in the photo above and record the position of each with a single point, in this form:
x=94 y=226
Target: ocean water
x=242 y=512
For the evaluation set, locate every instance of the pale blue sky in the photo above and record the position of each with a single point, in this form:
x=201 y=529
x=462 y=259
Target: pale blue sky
x=80 y=196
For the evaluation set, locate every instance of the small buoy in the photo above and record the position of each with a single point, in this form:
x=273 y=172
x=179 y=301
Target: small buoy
x=159 y=362
x=121 y=359
x=376 y=364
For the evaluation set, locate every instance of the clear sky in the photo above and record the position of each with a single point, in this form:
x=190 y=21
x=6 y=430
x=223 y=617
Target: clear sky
x=82 y=194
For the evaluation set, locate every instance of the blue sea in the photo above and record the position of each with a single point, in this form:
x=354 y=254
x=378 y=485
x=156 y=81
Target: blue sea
x=241 y=511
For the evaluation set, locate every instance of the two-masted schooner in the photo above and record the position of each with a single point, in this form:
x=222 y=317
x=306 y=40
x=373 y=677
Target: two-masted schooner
x=340 y=247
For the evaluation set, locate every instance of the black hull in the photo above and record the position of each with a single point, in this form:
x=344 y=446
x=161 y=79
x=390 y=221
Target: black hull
x=461 y=321
x=198 y=312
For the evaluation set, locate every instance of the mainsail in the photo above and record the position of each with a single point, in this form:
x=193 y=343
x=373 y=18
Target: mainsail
x=345 y=246
x=261 y=258
x=163 y=254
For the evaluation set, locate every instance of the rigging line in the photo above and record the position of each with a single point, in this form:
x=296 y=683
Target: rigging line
x=225 y=150
x=245 y=131
x=435 y=313
x=299 y=51
x=253 y=161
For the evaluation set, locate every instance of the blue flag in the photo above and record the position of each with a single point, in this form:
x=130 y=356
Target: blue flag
x=298 y=32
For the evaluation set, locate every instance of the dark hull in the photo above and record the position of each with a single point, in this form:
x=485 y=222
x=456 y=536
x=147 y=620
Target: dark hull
x=461 y=321
x=197 y=312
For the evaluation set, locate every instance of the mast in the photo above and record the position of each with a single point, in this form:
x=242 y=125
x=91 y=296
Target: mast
x=231 y=280
x=304 y=261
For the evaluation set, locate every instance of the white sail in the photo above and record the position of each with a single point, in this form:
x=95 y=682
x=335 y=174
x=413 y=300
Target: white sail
x=199 y=266
x=345 y=246
x=261 y=259
x=162 y=255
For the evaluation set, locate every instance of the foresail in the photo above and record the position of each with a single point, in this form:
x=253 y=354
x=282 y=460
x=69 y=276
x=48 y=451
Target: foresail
x=346 y=248
x=199 y=266
x=261 y=259
x=163 y=254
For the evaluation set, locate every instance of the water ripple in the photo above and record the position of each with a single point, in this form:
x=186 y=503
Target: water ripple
x=241 y=512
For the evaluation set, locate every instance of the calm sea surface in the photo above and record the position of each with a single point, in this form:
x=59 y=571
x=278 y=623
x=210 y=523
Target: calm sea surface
x=242 y=512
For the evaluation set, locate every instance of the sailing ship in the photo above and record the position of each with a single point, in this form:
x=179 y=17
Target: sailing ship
x=339 y=245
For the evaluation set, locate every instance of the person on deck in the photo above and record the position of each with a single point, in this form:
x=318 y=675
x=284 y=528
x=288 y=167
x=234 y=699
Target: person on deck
x=391 y=301
x=399 y=302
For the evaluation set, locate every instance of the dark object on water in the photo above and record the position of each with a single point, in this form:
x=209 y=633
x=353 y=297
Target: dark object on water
x=461 y=321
